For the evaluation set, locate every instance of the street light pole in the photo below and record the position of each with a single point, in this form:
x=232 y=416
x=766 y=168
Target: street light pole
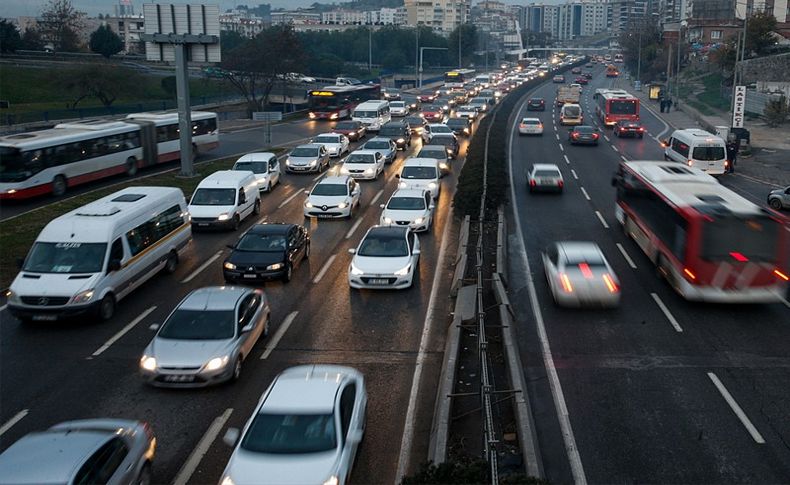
x=460 y=31
x=416 y=54
x=370 y=48
x=639 y=59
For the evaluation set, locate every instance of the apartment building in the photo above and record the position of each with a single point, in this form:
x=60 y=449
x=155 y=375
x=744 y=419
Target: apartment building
x=441 y=15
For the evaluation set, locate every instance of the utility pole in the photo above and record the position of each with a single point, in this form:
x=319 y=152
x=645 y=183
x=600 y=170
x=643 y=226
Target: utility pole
x=677 y=70
x=639 y=59
x=460 y=31
x=370 y=48
x=416 y=54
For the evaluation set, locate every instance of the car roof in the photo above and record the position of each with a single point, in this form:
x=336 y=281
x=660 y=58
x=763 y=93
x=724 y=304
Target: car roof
x=436 y=124
x=364 y=152
x=419 y=162
x=379 y=138
x=51 y=456
x=391 y=231
x=214 y=297
x=334 y=179
x=528 y=118
x=222 y=178
x=271 y=228
x=579 y=250
x=256 y=157
x=417 y=193
x=329 y=134
x=307 y=389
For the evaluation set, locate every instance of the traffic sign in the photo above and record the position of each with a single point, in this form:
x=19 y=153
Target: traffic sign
x=739 y=106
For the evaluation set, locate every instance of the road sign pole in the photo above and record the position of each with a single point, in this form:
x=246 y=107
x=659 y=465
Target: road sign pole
x=184 y=111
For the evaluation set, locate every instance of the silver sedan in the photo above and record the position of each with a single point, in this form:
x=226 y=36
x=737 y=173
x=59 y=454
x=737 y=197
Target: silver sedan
x=207 y=337
x=579 y=275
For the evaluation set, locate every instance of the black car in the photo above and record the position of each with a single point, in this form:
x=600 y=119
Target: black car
x=416 y=124
x=391 y=94
x=450 y=142
x=397 y=131
x=460 y=126
x=583 y=134
x=629 y=128
x=536 y=104
x=411 y=101
x=267 y=252
x=588 y=75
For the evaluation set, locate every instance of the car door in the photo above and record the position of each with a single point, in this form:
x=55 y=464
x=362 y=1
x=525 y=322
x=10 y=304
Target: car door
x=355 y=191
x=324 y=156
x=415 y=249
x=349 y=426
x=120 y=281
x=111 y=464
x=293 y=246
x=429 y=204
x=550 y=262
x=249 y=315
x=379 y=163
x=274 y=171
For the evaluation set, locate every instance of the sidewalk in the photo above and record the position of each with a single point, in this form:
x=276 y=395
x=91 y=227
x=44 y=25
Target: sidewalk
x=769 y=160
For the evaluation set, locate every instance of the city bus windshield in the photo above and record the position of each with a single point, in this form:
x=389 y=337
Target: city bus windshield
x=622 y=107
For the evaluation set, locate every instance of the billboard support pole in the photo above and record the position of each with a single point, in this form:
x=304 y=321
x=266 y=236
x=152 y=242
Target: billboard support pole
x=184 y=111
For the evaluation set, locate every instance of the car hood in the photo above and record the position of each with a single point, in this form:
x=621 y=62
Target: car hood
x=209 y=210
x=302 y=160
x=186 y=353
x=250 y=468
x=255 y=258
x=332 y=146
x=777 y=192
x=358 y=166
x=53 y=284
x=328 y=200
x=404 y=215
x=372 y=265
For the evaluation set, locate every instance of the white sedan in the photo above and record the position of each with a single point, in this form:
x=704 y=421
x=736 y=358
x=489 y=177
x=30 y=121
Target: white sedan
x=579 y=275
x=466 y=111
x=363 y=164
x=530 y=126
x=336 y=144
x=306 y=428
x=333 y=197
x=386 y=258
x=409 y=207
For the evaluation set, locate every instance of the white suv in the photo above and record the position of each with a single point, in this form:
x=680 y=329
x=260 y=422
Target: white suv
x=421 y=173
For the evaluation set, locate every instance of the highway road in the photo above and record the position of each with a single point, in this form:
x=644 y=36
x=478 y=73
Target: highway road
x=52 y=373
x=660 y=390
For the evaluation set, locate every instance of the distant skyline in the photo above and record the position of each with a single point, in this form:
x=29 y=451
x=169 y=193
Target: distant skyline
x=17 y=8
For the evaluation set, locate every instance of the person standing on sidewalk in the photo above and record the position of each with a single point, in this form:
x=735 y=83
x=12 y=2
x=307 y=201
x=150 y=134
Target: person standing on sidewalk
x=733 y=145
x=669 y=105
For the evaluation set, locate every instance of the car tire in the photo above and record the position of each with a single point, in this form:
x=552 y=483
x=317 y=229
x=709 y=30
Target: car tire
x=236 y=222
x=144 y=478
x=131 y=166
x=268 y=188
x=307 y=251
x=59 y=185
x=237 y=366
x=641 y=136
x=775 y=204
x=172 y=262
x=106 y=308
x=256 y=208
x=289 y=270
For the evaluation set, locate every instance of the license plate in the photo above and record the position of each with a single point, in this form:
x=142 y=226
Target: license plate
x=179 y=378
x=202 y=224
x=324 y=216
x=250 y=276
x=379 y=281
x=45 y=318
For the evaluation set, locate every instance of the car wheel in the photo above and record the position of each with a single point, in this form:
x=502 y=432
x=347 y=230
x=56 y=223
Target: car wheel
x=256 y=209
x=289 y=270
x=775 y=204
x=236 y=369
x=131 y=166
x=59 y=185
x=236 y=222
x=172 y=263
x=144 y=478
x=269 y=187
x=107 y=307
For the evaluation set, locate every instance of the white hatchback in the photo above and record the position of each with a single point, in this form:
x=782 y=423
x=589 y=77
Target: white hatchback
x=386 y=258
x=409 y=207
x=530 y=126
x=333 y=197
x=421 y=173
x=336 y=144
x=363 y=164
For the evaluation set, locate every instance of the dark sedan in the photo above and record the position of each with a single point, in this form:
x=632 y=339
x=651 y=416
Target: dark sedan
x=583 y=135
x=267 y=252
x=397 y=131
x=416 y=124
x=536 y=104
x=448 y=141
x=460 y=126
x=629 y=128
x=588 y=75
x=354 y=130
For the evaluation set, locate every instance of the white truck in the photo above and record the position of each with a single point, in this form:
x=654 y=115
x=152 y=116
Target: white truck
x=568 y=94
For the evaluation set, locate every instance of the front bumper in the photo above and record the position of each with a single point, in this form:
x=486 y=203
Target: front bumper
x=237 y=276
x=421 y=227
x=187 y=378
x=329 y=213
x=52 y=314
x=206 y=223
x=302 y=168
x=379 y=282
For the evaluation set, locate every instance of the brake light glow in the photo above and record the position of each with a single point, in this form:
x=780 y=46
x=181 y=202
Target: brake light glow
x=533 y=183
x=566 y=283
x=595 y=136
x=739 y=257
x=781 y=275
x=689 y=274
x=560 y=183
x=585 y=269
x=610 y=284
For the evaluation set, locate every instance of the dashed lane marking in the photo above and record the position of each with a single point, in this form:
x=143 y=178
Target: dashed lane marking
x=666 y=312
x=272 y=344
x=603 y=221
x=586 y=195
x=573 y=172
x=626 y=256
x=202 y=267
x=122 y=332
x=756 y=436
x=186 y=471
x=14 y=419
x=324 y=269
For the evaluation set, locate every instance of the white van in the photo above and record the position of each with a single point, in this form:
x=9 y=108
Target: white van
x=483 y=80
x=264 y=165
x=224 y=199
x=421 y=173
x=372 y=114
x=85 y=261
x=697 y=148
x=571 y=114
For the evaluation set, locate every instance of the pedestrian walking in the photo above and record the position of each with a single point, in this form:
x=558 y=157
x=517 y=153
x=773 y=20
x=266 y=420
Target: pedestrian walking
x=661 y=104
x=733 y=144
x=669 y=105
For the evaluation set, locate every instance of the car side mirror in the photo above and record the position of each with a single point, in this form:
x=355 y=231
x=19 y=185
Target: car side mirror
x=247 y=328
x=382 y=205
x=355 y=436
x=416 y=251
x=114 y=265
x=664 y=142
x=306 y=192
x=230 y=246
x=154 y=327
x=231 y=436
x=352 y=250
x=432 y=206
x=397 y=175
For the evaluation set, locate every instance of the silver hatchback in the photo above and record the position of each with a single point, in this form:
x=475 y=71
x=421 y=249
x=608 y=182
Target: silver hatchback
x=779 y=198
x=308 y=158
x=207 y=337
x=545 y=176
x=111 y=451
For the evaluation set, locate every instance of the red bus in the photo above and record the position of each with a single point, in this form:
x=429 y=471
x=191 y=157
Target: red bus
x=611 y=71
x=614 y=106
x=708 y=242
x=338 y=102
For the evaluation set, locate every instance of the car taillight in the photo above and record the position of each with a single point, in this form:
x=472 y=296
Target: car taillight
x=575 y=135
x=566 y=283
x=540 y=125
x=641 y=128
x=691 y=276
x=560 y=183
x=738 y=257
x=595 y=136
x=532 y=183
x=522 y=125
x=610 y=284
x=781 y=275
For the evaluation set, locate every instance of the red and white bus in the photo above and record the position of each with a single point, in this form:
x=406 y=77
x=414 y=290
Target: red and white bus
x=338 y=102
x=709 y=243
x=613 y=106
x=50 y=161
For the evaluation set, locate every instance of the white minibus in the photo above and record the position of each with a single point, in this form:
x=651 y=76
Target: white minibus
x=372 y=114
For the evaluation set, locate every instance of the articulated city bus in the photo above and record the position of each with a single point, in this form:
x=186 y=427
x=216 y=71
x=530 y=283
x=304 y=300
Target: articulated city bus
x=338 y=102
x=52 y=160
x=709 y=243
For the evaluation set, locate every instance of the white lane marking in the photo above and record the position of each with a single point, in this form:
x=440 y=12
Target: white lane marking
x=377 y=196
x=603 y=221
x=666 y=126
x=324 y=269
x=756 y=436
x=561 y=147
x=201 y=267
x=666 y=312
x=566 y=159
x=558 y=136
x=289 y=199
x=186 y=471
x=428 y=323
x=624 y=159
x=606 y=138
x=573 y=172
x=655 y=138
x=122 y=332
x=392 y=176
x=626 y=256
x=615 y=148
x=569 y=440
x=2 y=308
x=753 y=179
x=317 y=177
x=14 y=419
x=272 y=344
x=354 y=228
x=586 y=195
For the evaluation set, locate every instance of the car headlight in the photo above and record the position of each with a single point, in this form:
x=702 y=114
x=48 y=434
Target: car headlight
x=311 y=116
x=432 y=185
x=342 y=205
x=334 y=116
x=386 y=220
x=444 y=166
x=356 y=271
x=223 y=217
x=229 y=265
x=83 y=297
x=313 y=163
x=401 y=140
x=401 y=185
x=227 y=481
x=403 y=271
x=419 y=220
x=449 y=150
x=288 y=161
x=148 y=363
x=262 y=180
x=368 y=171
x=217 y=363
x=12 y=297
x=333 y=480
x=275 y=266
x=466 y=130
x=344 y=170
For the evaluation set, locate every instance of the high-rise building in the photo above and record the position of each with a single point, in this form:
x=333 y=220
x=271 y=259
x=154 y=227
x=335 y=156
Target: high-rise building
x=441 y=15
x=571 y=20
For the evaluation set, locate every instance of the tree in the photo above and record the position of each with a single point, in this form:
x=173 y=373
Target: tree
x=31 y=40
x=229 y=40
x=468 y=35
x=759 y=33
x=106 y=42
x=106 y=82
x=10 y=40
x=644 y=39
x=776 y=112
x=254 y=67
x=393 y=59
x=724 y=56
x=60 y=23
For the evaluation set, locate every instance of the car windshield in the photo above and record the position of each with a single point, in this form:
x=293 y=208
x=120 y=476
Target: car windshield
x=440 y=129
x=546 y=173
x=304 y=152
x=327 y=139
x=214 y=197
x=406 y=203
x=384 y=245
x=199 y=325
x=377 y=145
x=478 y=101
x=708 y=153
x=584 y=129
x=629 y=124
x=267 y=243
x=330 y=190
x=432 y=152
x=590 y=258
x=442 y=140
x=571 y=111
x=364 y=114
x=528 y=121
x=346 y=125
x=391 y=130
x=413 y=121
x=457 y=123
x=397 y=104
x=254 y=167
x=418 y=173
x=359 y=158
x=71 y=257
x=290 y=434
x=431 y=109
x=740 y=238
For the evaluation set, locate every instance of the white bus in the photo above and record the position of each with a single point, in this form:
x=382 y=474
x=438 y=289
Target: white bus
x=372 y=114
x=52 y=160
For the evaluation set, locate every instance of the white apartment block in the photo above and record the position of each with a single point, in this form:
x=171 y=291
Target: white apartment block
x=571 y=20
x=441 y=15
x=244 y=25
x=384 y=16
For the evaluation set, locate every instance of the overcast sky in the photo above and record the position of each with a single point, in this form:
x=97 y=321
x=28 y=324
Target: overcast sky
x=15 y=8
